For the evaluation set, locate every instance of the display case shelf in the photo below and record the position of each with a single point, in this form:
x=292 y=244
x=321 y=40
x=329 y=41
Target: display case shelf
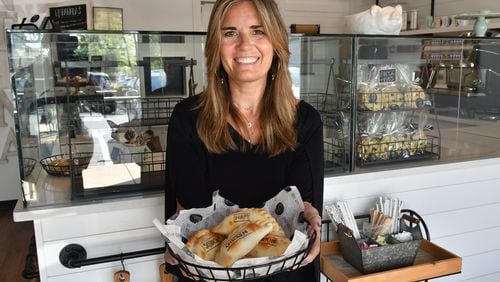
x=450 y=31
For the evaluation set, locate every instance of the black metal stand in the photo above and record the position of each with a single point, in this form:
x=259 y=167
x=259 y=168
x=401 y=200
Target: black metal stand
x=31 y=265
x=74 y=256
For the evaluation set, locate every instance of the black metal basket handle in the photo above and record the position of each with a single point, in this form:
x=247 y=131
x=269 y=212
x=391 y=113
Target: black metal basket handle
x=421 y=221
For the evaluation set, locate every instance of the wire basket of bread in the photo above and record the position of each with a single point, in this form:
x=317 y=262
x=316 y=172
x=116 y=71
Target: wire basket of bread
x=60 y=165
x=226 y=243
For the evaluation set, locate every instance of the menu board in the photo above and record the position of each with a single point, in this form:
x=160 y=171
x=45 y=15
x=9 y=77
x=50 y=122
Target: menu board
x=70 y=17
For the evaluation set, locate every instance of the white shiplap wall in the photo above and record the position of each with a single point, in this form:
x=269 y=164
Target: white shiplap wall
x=459 y=202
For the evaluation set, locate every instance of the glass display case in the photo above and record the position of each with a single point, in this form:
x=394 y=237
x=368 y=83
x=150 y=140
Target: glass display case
x=394 y=102
x=320 y=67
x=425 y=98
x=92 y=108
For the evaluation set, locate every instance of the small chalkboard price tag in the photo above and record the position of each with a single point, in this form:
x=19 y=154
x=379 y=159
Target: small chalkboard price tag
x=387 y=75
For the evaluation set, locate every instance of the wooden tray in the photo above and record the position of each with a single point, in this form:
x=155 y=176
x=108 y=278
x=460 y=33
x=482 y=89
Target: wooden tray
x=432 y=261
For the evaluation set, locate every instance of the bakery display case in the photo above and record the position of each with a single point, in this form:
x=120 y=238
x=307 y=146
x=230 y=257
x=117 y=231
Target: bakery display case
x=391 y=102
x=92 y=109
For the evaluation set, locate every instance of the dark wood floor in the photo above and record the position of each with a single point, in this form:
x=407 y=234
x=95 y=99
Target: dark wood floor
x=15 y=238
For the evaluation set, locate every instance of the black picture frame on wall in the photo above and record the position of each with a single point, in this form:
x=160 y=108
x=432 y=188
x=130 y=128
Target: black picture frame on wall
x=69 y=17
x=107 y=18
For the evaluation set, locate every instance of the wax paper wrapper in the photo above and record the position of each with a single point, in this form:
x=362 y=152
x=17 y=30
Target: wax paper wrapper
x=286 y=207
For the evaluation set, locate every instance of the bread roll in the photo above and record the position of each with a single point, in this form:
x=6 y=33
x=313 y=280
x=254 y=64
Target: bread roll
x=385 y=97
x=395 y=98
x=241 y=216
x=60 y=163
x=369 y=99
x=369 y=149
x=388 y=147
x=271 y=245
x=241 y=241
x=414 y=97
x=205 y=244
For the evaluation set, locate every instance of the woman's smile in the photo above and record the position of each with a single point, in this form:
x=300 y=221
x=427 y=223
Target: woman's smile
x=246 y=60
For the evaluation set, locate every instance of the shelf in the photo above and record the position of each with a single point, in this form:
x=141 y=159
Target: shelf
x=399 y=61
x=445 y=30
x=456 y=92
x=432 y=261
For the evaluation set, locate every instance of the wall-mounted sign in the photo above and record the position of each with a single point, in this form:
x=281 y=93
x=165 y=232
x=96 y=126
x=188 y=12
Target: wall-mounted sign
x=108 y=18
x=70 y=17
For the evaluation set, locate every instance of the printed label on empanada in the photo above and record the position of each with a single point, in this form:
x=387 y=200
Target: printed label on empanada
x=210 y=244
x=231 y=240
x=241 y=216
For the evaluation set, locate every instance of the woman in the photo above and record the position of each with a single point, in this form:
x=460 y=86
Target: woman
x=246 y=135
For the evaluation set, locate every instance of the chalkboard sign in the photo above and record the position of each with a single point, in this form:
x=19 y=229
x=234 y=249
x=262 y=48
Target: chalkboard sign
x=387 y=75
x=70 y=17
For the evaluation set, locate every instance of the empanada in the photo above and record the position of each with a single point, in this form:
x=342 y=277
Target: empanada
x=270 y=245
x=241 y=241
x=241 y=216
x=205 y=244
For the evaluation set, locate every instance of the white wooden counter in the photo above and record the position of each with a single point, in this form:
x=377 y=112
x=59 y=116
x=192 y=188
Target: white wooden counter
x=104 y=227
x=460 y=202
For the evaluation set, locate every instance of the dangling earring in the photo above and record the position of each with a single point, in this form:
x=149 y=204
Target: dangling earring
x=275 y=68
x=220 y=75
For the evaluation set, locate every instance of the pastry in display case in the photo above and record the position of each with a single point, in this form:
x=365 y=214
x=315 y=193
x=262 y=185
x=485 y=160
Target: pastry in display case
x=92 y=109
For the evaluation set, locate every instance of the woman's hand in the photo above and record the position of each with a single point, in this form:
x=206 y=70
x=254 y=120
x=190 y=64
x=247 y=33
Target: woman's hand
x=311 y=214
x=169 y=258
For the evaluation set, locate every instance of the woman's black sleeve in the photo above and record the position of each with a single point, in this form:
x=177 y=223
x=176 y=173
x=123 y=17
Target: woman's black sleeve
x=185 y=164
x=307 y=168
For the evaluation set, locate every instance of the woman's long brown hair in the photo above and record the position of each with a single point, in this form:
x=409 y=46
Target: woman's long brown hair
x=278 y=105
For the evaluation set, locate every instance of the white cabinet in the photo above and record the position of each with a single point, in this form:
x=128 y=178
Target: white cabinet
x=102 y=229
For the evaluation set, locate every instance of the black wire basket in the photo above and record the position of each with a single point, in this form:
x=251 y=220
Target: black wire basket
x=60 y=165
x=207 y=273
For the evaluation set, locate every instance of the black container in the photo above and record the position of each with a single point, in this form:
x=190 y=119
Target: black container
x=381 y=258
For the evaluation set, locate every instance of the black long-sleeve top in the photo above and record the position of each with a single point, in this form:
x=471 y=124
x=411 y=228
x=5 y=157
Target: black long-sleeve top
x=247 y=178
